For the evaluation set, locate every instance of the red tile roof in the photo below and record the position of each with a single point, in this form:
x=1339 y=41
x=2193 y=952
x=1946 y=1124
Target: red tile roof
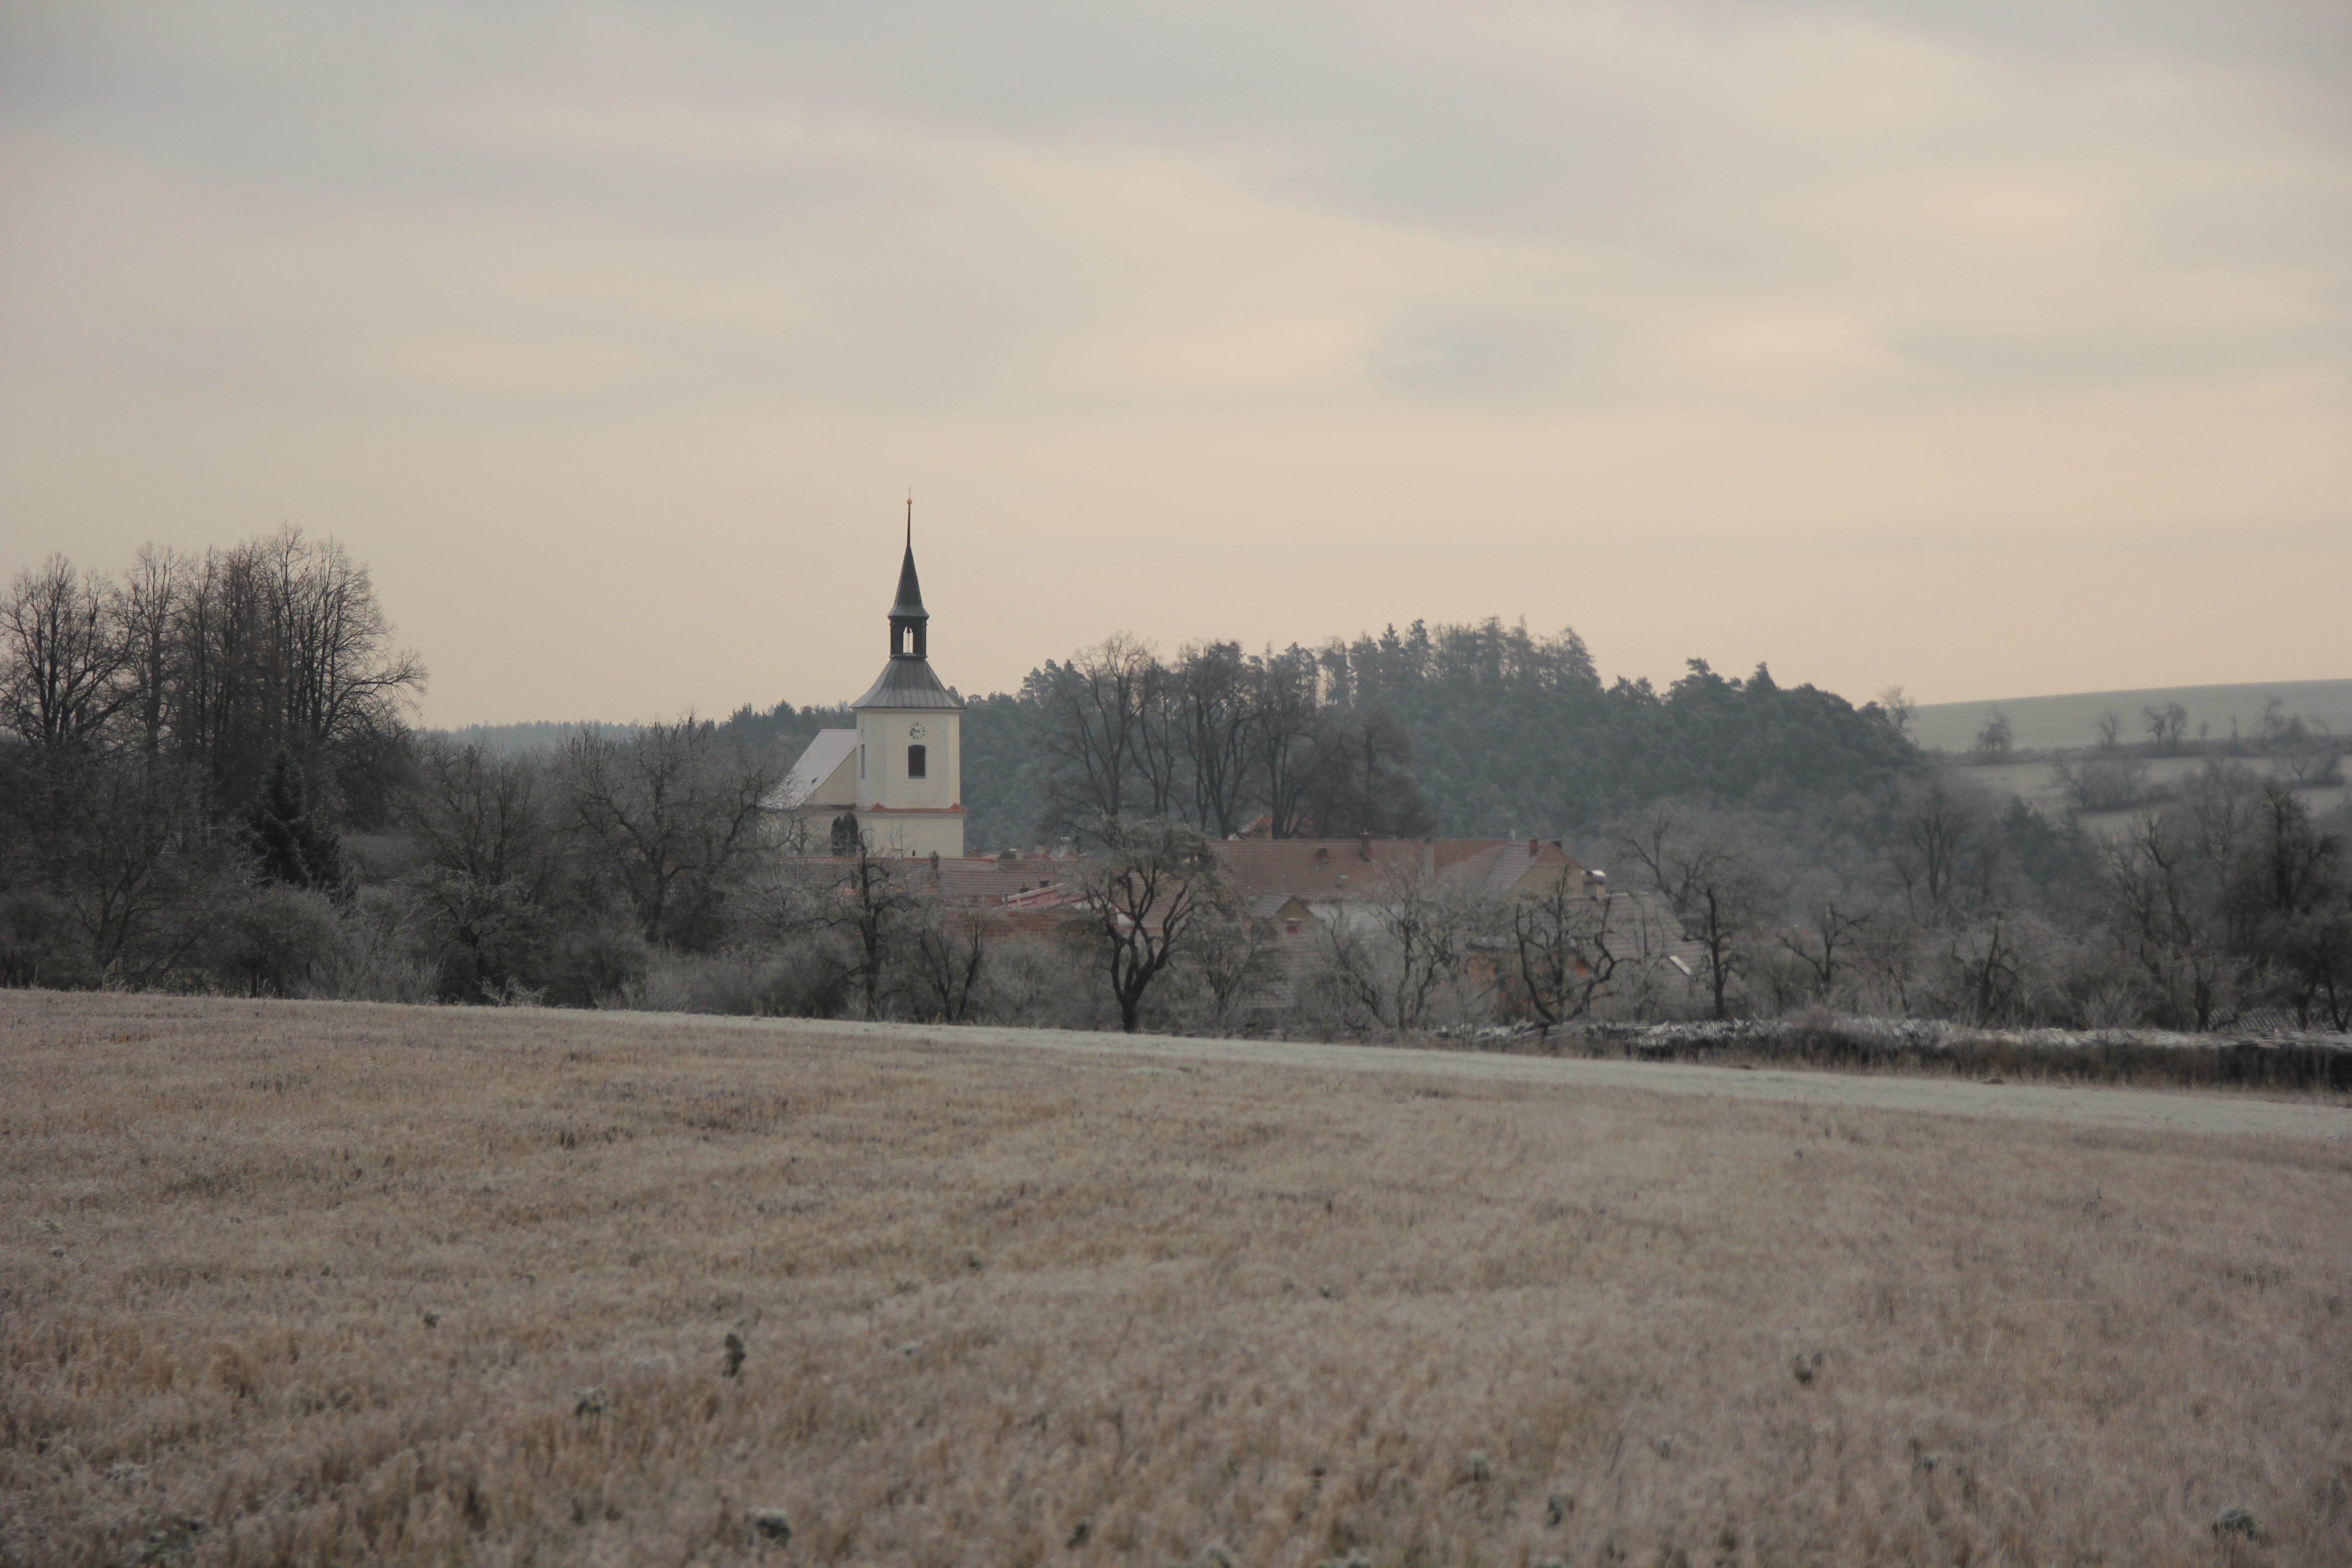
x=1322 y=869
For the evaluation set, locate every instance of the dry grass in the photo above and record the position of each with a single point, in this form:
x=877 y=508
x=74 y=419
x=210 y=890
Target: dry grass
x=376 y=1284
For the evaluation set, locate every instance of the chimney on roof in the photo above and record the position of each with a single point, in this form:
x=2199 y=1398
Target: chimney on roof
x=1364 y=848
x=1533 y=844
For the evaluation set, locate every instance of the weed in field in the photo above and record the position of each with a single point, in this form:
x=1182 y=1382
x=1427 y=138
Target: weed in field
x=2238 y=1521
x=734 y=1354
x=772 y=1526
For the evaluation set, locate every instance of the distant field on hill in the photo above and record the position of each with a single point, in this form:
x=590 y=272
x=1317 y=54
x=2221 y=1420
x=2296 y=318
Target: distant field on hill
x=2042 y=722
x=2036 y=782
x=305 y=1283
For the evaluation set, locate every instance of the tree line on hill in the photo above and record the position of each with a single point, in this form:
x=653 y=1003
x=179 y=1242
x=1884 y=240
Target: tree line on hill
x=208 y=783
x=1477 y=729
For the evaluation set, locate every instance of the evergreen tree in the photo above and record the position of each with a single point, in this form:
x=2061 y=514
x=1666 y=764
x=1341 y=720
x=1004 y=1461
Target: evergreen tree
x=288 y=844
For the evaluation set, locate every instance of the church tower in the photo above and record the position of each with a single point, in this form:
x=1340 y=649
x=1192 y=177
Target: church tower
x=894 y=784
x=910 y=738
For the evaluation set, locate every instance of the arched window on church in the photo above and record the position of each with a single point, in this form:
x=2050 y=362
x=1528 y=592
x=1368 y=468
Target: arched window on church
x=844 y=835
x=916 y=760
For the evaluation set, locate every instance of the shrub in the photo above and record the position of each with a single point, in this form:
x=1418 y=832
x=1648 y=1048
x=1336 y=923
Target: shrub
x=587 y=963
x=37 y=942
x=272 y=941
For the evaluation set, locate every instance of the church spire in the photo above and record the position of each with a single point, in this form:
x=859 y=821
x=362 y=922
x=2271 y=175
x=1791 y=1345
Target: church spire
x=909 y=622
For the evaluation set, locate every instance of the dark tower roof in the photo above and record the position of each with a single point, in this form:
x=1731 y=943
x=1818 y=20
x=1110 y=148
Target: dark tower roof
x=908 y=605
x=908 y=682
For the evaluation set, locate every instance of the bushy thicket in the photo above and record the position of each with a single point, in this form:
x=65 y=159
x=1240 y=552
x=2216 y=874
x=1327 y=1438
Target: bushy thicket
x=2232 y=903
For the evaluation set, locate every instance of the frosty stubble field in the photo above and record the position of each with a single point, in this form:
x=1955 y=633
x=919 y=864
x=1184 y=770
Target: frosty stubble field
x=1011 y=1305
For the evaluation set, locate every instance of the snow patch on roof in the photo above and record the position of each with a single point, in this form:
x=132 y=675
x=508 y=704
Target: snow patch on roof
x=826 y=754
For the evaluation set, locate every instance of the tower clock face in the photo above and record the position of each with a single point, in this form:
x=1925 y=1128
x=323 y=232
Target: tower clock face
x=914 y=732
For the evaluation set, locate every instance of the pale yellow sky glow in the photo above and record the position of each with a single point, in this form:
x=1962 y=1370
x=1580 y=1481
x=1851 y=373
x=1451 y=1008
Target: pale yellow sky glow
x=1971 y=347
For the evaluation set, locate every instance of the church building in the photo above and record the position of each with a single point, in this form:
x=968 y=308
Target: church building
x=893 y=785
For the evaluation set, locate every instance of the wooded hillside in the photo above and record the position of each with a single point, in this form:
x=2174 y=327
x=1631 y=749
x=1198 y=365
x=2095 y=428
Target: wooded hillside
x=1487 y=729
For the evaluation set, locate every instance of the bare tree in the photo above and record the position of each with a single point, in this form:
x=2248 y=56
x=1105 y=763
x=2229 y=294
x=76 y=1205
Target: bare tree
x=670 y=815
x=2292 y=906
x=1711 y=880
x=1995 y=737
x=1213 y=691
x=1151 y=893
x=281 y=641
x=1837 y=929
x=1567 y=945
x=2110 y=725
x=1897 y=706
x=2276 y=723
x=1284 y=715
x=2161 y=910
x=2164 y=723
x=1234 y=954
x=338 y=678
x=61 y=655
x=131 y=851
x=488 y=866
x=1095 y=710
x=1159 y=748
x=862 y=913
x=2222 y=806
x=150 y=596
x=1392 y=959
x=947 y=946
x=1937 y=849
x=1994 y=966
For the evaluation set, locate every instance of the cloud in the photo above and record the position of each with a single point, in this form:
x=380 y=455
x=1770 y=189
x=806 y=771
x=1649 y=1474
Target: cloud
x=1474 y=297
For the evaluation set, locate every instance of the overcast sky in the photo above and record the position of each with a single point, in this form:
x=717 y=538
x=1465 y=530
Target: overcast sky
x=1990 y=348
